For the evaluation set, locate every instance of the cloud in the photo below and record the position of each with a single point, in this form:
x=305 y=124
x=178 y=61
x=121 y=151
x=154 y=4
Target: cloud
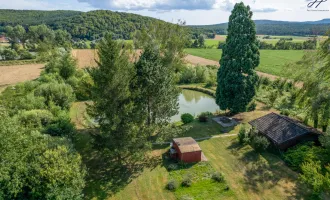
x=264 y=10
x=152 y=4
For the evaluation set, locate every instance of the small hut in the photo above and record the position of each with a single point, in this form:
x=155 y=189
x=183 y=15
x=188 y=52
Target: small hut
x=284 y=132
x=186 y=149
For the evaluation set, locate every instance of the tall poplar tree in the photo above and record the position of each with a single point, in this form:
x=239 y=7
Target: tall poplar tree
x=236 y=76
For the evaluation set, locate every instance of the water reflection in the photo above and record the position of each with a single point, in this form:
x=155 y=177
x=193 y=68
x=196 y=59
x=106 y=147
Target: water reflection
x=194 y=102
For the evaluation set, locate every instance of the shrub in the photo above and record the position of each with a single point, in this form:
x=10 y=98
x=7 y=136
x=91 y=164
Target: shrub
x=203 y=117
x=25 y=55
x=172 y=185
x=61 y=94
x=251 y=106
x=218 y=177
x=172 y=167
x=259 y=143
x=10 y=54
x=61 y=127
x=187 y=118
x=35 y=118
x=186 y=182
x=242 y=135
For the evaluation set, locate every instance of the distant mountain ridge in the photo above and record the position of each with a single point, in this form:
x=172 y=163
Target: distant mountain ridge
x=272 y=27
x=94 y=24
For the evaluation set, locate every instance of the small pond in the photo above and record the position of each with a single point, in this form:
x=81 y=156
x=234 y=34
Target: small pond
x=194 y=102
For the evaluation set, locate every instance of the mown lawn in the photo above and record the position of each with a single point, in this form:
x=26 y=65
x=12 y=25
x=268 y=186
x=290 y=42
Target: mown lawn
x=247 y=174
x=271 y=61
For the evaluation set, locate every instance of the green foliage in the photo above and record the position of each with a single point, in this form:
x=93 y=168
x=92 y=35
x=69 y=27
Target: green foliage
x=243 y=135
x=63 y=64
x=259 y=143
x=61 y=94
x=158 y=91
x=218 y=177
x=172 y=185
x=40 y=166
x=312 y=175
x=251 y=106
x=187 y=181
x=197 y=74
x=121 y=121
x=61 y=127
x=9 y=54
x=35 y=118
x=305 y=153
x=236 y=76
x=204 y=116
x=187 y=118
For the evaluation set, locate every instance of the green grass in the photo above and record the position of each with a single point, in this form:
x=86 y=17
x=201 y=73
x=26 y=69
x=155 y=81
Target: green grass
x=203 y=186
x=271 y=61
x=248 y=174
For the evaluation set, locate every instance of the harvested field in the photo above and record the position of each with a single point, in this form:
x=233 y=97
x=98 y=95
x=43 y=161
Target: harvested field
x=220 y=37
x=19 y=73
x=85 y=57
x=195 y=60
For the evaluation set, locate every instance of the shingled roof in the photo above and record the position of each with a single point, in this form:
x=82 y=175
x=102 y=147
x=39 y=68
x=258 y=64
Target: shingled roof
x=187 y=144
x=281 y=129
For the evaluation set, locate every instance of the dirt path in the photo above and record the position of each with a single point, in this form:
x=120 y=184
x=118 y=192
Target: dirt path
x=19 y=73
x=195 y=60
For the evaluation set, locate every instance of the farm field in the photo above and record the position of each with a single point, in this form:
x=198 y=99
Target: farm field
x=248 y=174
x=271 y=62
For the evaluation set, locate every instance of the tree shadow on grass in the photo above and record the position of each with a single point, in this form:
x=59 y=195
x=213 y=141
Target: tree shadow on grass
x=105 y=178
x=265 y=171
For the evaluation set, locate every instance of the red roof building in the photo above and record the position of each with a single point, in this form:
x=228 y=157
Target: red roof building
x=3 y=39
x=187 y=150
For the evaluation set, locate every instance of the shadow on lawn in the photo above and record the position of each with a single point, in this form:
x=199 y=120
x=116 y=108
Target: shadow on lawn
x=104 y=178
x=265 y=171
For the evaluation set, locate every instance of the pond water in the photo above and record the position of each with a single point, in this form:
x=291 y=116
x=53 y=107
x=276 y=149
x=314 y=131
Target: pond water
x=194 y=102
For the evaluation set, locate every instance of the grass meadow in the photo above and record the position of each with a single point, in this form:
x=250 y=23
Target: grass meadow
x=271 y=61
x=248 y=175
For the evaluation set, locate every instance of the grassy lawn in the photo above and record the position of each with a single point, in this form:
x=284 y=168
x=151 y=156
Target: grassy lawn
x=247 y=174
x=271 y=61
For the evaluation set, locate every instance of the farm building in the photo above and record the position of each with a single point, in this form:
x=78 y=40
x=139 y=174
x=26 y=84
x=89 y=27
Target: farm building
x=187 y=150
x=284 y=132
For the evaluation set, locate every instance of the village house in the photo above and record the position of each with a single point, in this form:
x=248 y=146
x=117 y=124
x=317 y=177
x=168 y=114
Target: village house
x=284 y=132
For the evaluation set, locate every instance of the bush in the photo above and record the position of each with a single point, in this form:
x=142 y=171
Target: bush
x=172 y=185
x=218 y=177
x=10 y=54
x=25 y=55
x=259 y=143
x=172 y=167
x=61 y=94
x=187 y=118
x=186 y=182
x=203 y=117
x=243 y=137
x=251 y=106
x=61 y=127
x=35 y=118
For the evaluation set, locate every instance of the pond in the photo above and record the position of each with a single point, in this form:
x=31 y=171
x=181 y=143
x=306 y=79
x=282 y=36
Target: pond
x=194 y=102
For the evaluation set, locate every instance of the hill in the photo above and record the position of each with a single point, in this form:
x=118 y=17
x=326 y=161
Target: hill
x=84 y=25
x=270 y=27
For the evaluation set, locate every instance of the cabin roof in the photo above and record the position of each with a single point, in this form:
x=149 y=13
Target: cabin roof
x=281 y=129
x=187 y=144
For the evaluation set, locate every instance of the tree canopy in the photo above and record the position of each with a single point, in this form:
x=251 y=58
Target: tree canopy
x=236 y=76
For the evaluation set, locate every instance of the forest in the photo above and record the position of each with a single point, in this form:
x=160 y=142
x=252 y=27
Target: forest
x=94 y=24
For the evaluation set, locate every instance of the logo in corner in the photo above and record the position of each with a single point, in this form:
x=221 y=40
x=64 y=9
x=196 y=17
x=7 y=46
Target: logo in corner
x=314 y=5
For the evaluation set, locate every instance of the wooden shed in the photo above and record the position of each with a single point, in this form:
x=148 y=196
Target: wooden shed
x=284 y=132
x=186 y=149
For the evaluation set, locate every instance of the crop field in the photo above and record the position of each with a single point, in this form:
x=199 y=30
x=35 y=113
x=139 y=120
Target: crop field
x=271 y=61
x=213 y=43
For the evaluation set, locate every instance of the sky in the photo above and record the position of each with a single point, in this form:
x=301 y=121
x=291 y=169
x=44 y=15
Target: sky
x=194 y=12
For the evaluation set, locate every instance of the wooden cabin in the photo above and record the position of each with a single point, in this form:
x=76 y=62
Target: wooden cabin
x=284 y=132
x=186 y=150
